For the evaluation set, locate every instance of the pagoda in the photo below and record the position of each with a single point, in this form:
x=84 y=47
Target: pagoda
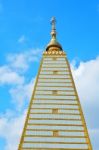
x=55 y=119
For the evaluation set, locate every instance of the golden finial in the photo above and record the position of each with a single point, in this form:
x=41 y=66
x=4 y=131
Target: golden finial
x=53 y=43
x=53 y=23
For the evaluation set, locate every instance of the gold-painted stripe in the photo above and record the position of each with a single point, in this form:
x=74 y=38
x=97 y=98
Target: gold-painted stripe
x=55 y=99
x=56 y=94
x=56 y=130
x=29 y=148
x=35 y=124
x=58 y=108
x=54 y=86
x=53 y=82
x=55 y=104
x=59 y=114
x=55 y=56
x=31 y=118
x=56 y=142
x=53 y=67
x=54 y=78
x=54 y=74
x=54 y=70
x=54 y=64
x=63 y=100
x=54 y=136
x=67 y=90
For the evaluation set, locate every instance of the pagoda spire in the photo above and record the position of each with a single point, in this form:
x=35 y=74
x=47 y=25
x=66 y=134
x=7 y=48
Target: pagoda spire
x=53 y=31
x=53 y=44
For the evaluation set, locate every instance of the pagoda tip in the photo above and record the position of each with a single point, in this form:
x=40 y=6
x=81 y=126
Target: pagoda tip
x=53 y=23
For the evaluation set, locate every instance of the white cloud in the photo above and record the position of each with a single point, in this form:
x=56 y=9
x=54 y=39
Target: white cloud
x=22 y=94
x=21 y=61
x=11 y=129
x=12 y=123
x=8 y=76
x=13 y=73
x=18 y=61
x=17 y=64
x=86 y=76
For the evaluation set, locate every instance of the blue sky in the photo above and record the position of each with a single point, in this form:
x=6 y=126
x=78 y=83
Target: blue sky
x=24 y=34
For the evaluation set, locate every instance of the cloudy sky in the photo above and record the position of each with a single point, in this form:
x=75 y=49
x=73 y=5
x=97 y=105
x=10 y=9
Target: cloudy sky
x=24 y=34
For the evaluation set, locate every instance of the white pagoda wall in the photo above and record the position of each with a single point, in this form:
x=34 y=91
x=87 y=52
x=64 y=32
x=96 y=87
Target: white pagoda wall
x=42 y=122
